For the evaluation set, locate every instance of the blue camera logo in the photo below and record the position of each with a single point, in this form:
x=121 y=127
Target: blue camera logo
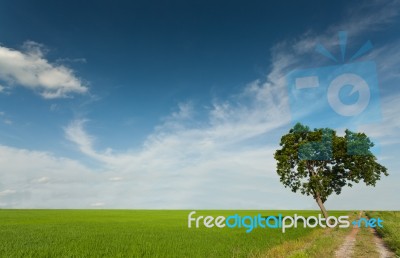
x=344 y=95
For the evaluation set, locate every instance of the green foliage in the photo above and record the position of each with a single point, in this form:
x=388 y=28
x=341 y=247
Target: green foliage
x=319 y=162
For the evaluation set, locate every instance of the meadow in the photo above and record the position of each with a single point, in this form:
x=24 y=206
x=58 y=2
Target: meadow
x=135 y=233
x=390 y=232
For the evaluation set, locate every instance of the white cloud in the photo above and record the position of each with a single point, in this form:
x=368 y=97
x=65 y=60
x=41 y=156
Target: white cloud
x=22 y=183
x=76 y=134
x=7 y=192
x=8 y=121
x=230 y=124
x=43 y=180
x=29 y=68
x=72 y=60
x=361 y=19
x=97 y=204
x=184 y=162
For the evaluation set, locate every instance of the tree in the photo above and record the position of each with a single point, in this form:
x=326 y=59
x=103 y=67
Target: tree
x=319 y=162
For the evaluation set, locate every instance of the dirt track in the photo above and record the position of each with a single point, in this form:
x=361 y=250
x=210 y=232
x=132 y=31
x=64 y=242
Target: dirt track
x=347 y=248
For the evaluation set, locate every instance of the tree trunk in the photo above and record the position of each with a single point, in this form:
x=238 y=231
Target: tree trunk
x=321 y=206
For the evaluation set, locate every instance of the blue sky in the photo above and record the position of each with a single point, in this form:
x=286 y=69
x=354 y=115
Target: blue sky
x=173 y=104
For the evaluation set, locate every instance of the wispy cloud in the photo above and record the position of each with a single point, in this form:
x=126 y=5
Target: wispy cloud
x=30 y=69
x=97 y=204
x=5 y=118
x=8 y=121
x=7 y=192
x=71 y=60
x=43 y=180
x=230 y=124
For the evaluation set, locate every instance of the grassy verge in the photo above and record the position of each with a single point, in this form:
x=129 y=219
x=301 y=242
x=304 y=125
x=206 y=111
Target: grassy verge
x=365 y=245
x=320 y=243
x=391 y=228
x=134 y=233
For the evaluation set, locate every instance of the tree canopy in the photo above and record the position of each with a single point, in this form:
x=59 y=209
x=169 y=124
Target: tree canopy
x=319 y=162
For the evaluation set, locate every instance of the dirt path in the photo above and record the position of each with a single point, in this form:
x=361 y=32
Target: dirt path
x=383 y=251
x=347 y=248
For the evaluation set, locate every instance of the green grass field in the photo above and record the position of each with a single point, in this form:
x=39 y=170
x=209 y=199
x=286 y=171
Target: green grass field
x=164 y=233
x=391 y=229
x=133 y=233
